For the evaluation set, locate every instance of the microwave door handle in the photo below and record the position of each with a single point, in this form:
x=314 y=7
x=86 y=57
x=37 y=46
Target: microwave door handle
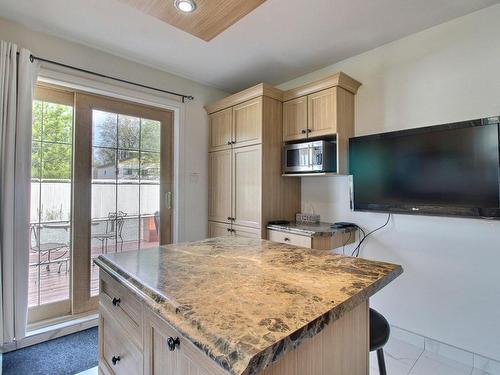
x=311 y=163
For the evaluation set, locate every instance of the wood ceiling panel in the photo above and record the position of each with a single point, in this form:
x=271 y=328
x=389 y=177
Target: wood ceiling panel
x=210 y=18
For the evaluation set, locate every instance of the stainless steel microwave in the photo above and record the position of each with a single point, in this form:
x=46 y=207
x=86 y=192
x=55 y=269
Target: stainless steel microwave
x=310 y=157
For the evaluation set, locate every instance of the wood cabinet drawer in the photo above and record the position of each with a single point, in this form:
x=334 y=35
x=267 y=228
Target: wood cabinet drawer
x=289 y=238
x=118 y=354
x=218 y=229
x=123 y=306
x=247 y=232
x=222 y=230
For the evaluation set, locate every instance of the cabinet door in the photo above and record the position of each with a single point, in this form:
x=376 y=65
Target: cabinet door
x=219 y=186
x=295 y=119
x=247 y=123
x=246 y=202
x=246 y=232
x=322 y=110
x=220 y=126
x=185 y=359
x=218 y=229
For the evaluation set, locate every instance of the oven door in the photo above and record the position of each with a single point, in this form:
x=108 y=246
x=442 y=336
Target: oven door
x=297 y=158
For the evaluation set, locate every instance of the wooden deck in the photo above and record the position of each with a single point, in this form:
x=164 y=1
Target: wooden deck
x=53 y=283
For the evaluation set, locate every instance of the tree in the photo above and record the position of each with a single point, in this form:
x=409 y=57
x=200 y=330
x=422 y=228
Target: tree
x=52 y=135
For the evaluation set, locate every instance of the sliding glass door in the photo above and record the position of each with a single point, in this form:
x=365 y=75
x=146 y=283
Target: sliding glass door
x=101 y=183
x=123 y=203
x=51 y=186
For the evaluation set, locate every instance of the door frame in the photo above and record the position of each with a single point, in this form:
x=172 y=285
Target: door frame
x=82 y=300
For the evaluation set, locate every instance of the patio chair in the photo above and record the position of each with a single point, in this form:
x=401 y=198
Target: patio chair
x=47 y=248
x=114 y=228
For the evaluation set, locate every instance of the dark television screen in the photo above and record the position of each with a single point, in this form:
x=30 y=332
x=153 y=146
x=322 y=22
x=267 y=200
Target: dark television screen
x=450 y=169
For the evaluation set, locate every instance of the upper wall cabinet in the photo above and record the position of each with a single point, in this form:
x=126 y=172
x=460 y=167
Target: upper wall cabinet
x=322 y=109
x=322 y=114
x=247 y=123
x=295 y=119
x=221 y=129
x=316 y=109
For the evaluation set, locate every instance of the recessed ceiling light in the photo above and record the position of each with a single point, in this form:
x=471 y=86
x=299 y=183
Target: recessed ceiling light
x=186 y=6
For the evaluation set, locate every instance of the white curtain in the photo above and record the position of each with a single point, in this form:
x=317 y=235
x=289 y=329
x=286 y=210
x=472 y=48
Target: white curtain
x=17 y=80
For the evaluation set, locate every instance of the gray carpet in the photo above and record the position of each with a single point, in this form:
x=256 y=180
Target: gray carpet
x=66 y=355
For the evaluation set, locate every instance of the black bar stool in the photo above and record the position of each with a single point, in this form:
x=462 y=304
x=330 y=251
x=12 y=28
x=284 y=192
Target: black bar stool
x=379 y=335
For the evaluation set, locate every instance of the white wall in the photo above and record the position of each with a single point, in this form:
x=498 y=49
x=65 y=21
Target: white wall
x=450 y=289
x=193 y=164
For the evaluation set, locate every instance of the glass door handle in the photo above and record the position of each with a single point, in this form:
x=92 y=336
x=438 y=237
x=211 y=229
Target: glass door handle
x=168 y=199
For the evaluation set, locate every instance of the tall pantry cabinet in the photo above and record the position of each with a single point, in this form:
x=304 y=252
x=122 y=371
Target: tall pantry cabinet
x=246 y=189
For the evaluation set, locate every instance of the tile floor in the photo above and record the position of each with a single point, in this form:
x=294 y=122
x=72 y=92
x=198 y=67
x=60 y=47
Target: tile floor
x=402 y=358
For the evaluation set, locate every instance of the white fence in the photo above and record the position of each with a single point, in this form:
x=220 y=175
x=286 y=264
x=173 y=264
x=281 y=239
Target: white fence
x=106 y=198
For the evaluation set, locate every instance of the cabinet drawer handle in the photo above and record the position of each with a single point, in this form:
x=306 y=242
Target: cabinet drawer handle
x=309 y=130
x=229 y=143
x=303 y=131
x=116 y=302
x=230 y=218
x=229 y=229
x=286 y=239
x=115 y=360
x=173 y=343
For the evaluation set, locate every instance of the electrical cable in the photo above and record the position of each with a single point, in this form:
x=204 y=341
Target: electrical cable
x=356 y=250
x=345 y=243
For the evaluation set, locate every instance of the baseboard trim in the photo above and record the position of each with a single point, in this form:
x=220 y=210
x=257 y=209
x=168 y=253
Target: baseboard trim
x=466 y=357
x=45 y=333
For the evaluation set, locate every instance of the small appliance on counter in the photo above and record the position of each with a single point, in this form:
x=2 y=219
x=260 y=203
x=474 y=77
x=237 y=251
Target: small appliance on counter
x=310 y=157
x=307 y=218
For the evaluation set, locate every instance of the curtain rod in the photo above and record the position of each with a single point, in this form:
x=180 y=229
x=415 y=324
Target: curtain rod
x=184 y=97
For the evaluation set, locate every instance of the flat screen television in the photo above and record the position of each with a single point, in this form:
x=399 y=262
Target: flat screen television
x=449 y=170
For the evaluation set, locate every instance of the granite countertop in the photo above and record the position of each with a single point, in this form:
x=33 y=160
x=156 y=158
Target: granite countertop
x=245 y=302
x=310 y=230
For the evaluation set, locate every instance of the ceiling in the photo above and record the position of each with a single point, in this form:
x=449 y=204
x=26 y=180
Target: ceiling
x=210 y=18
x=278 y=41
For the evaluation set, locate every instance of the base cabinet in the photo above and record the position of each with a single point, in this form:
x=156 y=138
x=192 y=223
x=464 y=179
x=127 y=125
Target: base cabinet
x=314 y=242
x=168 y=353
x=216 y=229
x=340 y=348
x=157 y=349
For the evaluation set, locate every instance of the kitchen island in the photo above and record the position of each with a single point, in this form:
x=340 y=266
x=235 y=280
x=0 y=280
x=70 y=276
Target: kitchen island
x=233 y=305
